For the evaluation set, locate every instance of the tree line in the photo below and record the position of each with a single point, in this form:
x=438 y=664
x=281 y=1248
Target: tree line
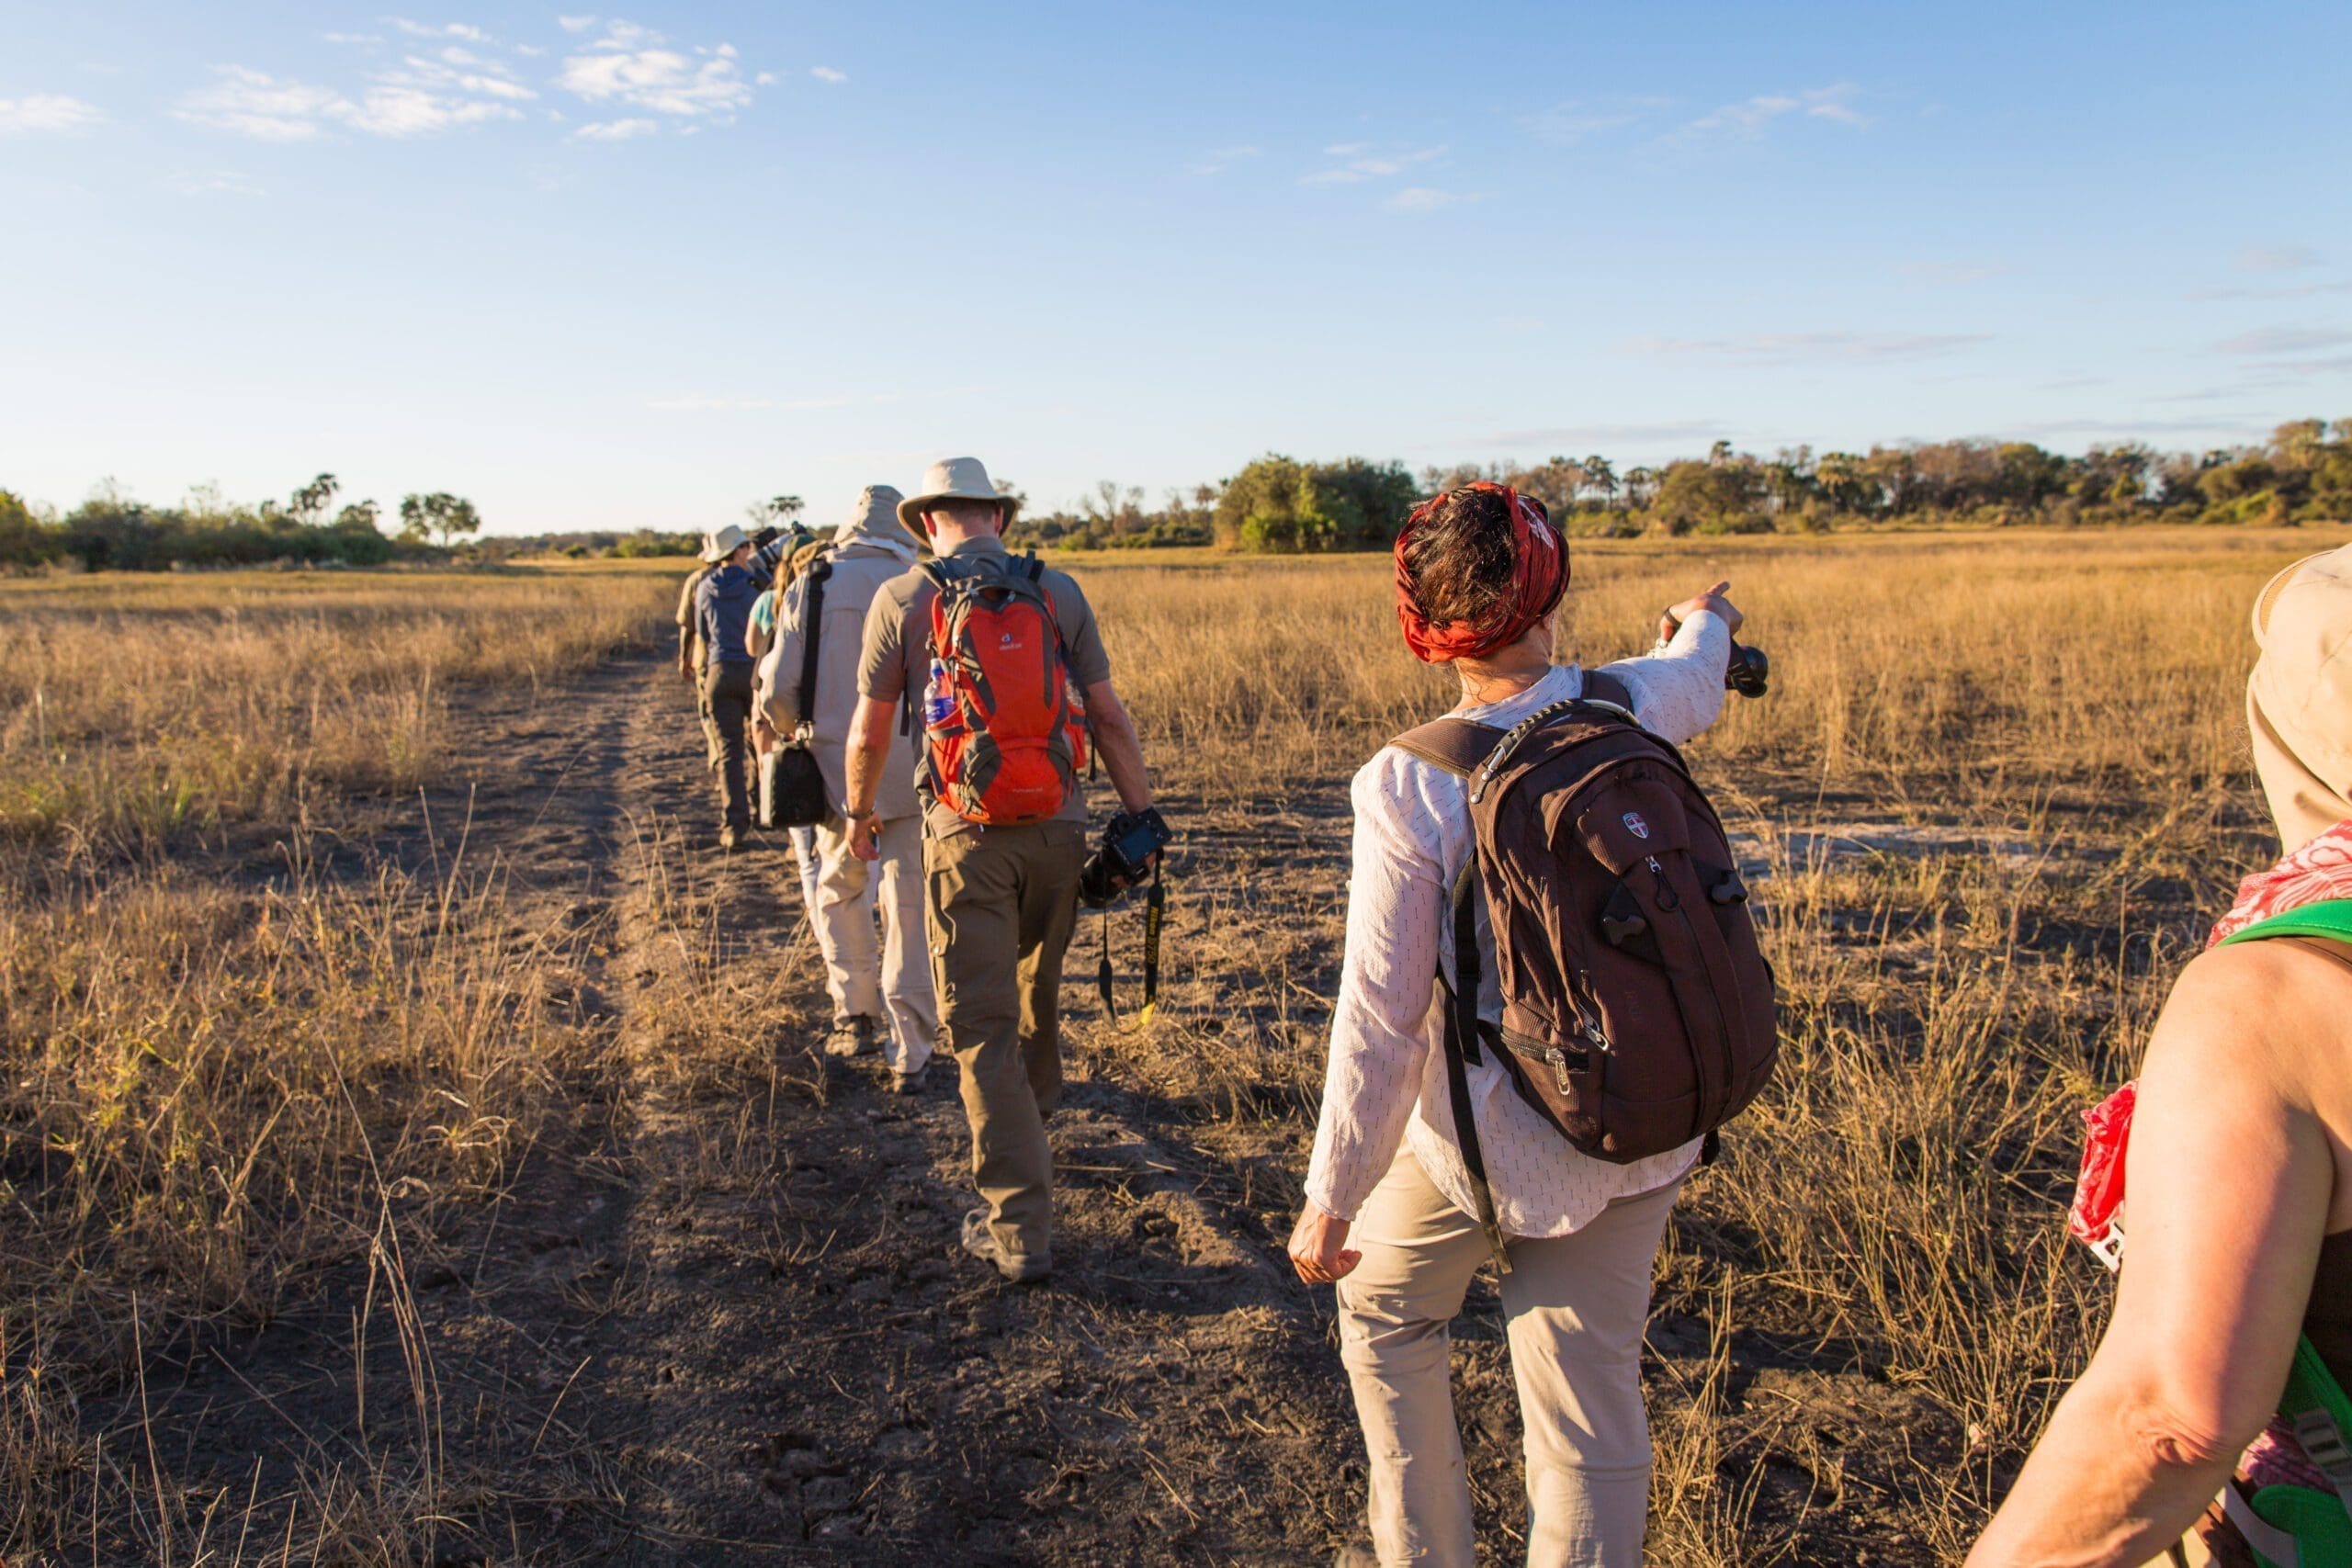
x=1277 y=505
x=111 y=531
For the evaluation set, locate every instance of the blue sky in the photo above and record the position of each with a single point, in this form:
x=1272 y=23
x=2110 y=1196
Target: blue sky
x=606 y=269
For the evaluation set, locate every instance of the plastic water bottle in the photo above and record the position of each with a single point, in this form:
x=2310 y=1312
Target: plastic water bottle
x=939 y=696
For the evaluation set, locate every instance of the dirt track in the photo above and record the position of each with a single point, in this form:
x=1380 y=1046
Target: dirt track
x=720 y=1316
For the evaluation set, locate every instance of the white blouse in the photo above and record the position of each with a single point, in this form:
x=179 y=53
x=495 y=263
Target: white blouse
x=1386 y=1081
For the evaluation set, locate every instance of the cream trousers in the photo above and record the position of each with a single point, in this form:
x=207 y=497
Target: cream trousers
x=891 y=984
x=1576 y=1307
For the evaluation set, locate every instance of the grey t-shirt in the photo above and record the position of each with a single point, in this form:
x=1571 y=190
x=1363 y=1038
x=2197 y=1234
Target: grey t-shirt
x=896 y=659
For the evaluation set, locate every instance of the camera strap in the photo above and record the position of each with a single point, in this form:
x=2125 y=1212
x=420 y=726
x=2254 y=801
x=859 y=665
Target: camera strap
x=1155 y=915
x=1103 y=970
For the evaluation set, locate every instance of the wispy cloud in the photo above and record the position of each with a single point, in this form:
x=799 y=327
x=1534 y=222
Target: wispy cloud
x=827 y=73
x=1788 y=348
x=2297 y=291
x=212 y=182
x=46 y=113
x=361 y=39
x=446 y=29
x=2268 y=342
x=575 y=24
x=422 y=98
x=2276 y=258
x=1573 y=121
x=1949 y=274
x=1424 y=198
x=1750 y=118
x=2097 y=429
x=632 y=67
x=1220 y=160
x=1361 y=164
x=616 y=130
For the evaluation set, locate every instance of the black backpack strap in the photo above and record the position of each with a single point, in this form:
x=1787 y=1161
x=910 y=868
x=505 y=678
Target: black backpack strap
x=1600 y=687
x=812 y=622
x=1457 y=745
x=1461 y=1030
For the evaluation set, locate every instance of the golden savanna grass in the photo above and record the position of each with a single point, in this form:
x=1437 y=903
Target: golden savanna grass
x=213 y=1092
x=137 y=708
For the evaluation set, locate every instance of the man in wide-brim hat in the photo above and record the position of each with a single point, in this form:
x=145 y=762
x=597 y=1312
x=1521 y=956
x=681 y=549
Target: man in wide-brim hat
x=999 y=899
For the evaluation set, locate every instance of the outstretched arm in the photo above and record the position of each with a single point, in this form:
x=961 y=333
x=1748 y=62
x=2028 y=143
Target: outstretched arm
x=2229 y=1179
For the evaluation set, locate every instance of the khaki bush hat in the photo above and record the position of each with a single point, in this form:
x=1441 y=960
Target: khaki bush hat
x=950 y=479
x=2299 y=699
x=718 y=547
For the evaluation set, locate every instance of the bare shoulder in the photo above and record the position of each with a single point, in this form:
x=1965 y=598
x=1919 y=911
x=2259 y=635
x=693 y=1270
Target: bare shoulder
x=2276 y=1008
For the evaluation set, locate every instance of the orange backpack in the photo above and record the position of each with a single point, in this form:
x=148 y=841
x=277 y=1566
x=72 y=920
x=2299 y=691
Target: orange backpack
x=1005 y=726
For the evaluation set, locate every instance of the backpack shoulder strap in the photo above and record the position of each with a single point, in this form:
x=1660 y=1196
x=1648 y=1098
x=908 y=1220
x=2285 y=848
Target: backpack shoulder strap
x=1457 y=745
x=812 y=624
x=2328 y=918
x=1031 y=567
x=1600 y=687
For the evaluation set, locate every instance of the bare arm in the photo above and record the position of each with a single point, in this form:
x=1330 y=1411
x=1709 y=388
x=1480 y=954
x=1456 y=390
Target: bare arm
x=1115 y=742
x=2229 y=1181
x=867 y=748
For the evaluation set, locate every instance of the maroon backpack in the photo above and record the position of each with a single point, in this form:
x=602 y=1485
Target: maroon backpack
x=1638 y=1011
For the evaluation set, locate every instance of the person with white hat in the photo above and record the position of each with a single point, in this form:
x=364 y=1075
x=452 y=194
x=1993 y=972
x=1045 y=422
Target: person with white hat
x=883 y=994
x=1004 y=817
x=2225 y=1364
x=722 y=619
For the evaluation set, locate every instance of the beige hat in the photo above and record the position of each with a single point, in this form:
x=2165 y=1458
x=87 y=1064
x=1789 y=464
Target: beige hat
x=718 y=547
x=951 y=478
x=2299 y=699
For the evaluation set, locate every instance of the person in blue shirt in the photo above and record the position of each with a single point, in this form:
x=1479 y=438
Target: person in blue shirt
x=723 y=600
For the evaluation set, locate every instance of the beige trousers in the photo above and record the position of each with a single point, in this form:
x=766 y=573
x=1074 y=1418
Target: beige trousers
x=1576 y=1307
x=1000 y=904
x=890 y=984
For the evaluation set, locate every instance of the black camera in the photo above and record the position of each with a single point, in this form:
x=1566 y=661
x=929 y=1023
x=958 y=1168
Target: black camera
x=1748 y=672
x=1129 y=840
x=761 y=539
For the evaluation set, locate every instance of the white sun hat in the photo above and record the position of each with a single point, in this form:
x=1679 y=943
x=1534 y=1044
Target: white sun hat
x=950 y=479
x=718 y=547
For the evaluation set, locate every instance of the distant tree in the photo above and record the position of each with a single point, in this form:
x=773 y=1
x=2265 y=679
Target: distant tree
x=1600 y=476
x=358 y=516
x=439 y=512
x=311 y=500
x=1846 y=484
x=24 y=541
x=775 y=511
x=1640 y=485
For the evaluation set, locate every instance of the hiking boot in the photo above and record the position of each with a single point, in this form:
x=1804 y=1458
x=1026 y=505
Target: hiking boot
x=980 y=1242
x=730 y=840
x=851 y=1037
x=907 y=1082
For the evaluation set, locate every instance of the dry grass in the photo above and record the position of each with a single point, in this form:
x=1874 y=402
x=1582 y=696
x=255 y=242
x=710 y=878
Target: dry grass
x=213 y=1093
x=1891 y=1208
x=136 y=710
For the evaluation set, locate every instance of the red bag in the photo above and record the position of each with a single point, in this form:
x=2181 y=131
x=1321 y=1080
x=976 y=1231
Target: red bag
x=2096 y=1217
x=1004 y=727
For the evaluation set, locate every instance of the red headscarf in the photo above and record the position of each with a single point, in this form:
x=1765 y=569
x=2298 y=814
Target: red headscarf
x=1539 y=576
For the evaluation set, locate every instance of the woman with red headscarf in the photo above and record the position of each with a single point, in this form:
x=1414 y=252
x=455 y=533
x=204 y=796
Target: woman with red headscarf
x=1389 y=1203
